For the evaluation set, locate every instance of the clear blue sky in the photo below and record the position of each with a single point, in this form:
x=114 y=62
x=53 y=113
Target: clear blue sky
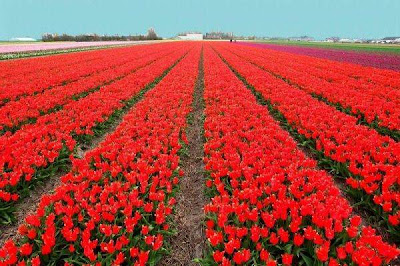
x=318 y=18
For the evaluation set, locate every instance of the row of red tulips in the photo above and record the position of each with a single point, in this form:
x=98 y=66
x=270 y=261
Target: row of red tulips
x=112 y=208
x=36 y=146
x=270 y=204
x=375 y=102
x=372 y=159
x=29 y=66
x=20 y=85
x=15 y=113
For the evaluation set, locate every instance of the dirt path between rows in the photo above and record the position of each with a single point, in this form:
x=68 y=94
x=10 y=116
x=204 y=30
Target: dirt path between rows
x=189 y=242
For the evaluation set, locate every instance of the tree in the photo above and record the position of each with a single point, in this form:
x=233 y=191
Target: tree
x=151 y=34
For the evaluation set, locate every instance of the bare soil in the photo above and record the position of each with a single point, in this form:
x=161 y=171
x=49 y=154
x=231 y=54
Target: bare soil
x=28 y=206
x=189 y=242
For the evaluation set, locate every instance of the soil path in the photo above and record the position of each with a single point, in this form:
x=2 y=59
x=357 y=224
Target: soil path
x=189 y=242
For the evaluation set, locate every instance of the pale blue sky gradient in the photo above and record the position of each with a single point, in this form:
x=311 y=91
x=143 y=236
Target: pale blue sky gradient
x=317 y=18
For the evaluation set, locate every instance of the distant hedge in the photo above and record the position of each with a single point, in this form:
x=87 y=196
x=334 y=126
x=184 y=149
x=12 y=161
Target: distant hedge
x=151 y=35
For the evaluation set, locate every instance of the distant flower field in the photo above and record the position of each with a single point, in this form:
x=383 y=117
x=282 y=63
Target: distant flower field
x=379 y=60
x=17 y=48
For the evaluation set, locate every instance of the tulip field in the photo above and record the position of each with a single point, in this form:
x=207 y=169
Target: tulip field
x=299 y=160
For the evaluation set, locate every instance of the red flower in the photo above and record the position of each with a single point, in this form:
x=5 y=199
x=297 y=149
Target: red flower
x=143 y=257
x=341 y=252
x=145 y=230
x=355 y=220
x=218 y=255
x=298 y=240
x=287 y=259
x=273 y=239
x=264 y=255
x=35 y=261
x=26 y=249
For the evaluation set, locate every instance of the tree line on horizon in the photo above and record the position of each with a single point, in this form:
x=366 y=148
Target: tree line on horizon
x=54 y=37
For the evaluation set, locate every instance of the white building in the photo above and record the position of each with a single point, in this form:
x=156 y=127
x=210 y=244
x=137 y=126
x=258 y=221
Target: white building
x=191 y=37
x=347 y=40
